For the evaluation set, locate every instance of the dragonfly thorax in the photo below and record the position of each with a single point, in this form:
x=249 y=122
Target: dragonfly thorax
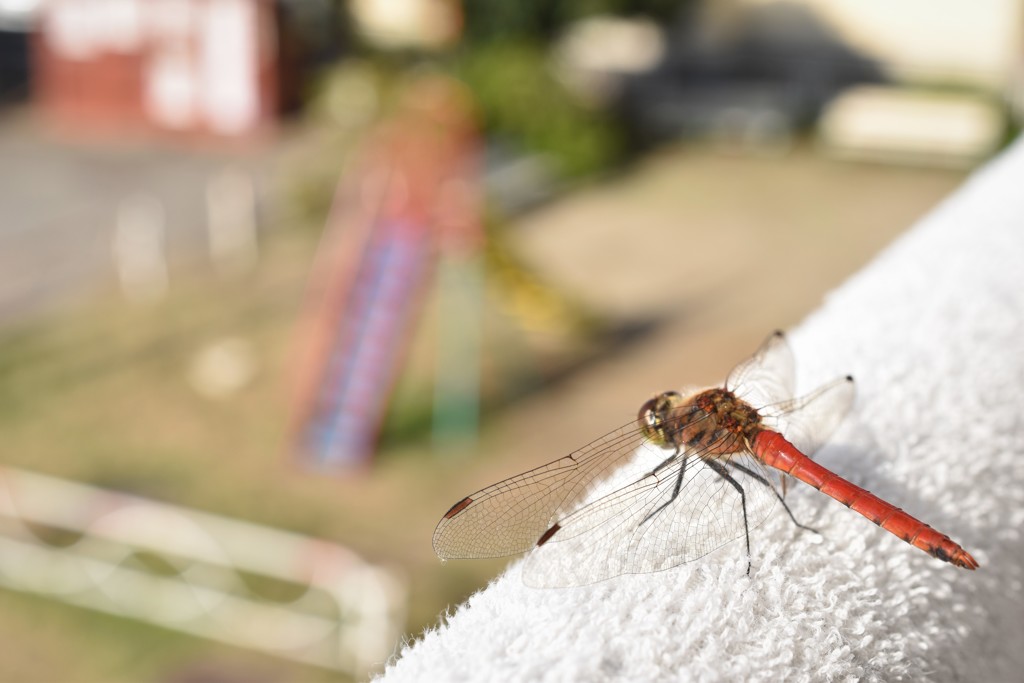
x=714 y=421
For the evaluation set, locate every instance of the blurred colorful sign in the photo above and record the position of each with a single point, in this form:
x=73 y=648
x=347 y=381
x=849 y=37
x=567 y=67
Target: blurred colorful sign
x=412 y=199
x=368 y=343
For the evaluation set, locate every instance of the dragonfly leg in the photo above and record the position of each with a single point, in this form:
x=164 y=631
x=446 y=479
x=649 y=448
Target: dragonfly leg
x=667 y=461
x=754 y=475
x=675 y=489
x=724 y=473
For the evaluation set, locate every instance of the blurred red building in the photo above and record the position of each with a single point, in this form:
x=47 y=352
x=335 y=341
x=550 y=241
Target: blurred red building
x=208 y=67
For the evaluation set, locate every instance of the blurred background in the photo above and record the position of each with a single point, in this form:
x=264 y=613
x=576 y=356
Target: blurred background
x=282 y=280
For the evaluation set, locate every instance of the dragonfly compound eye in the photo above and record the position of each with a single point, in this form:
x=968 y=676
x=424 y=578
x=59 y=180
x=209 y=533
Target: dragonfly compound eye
x=654 y=414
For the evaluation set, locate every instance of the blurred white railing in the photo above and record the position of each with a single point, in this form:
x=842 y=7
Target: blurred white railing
x=199 y=573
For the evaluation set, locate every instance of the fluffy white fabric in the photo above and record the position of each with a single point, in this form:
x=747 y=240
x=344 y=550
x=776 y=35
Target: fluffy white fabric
x=933 y=330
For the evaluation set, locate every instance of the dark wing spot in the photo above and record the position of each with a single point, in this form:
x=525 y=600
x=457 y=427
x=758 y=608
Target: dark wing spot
x=458 y=507
x=547 y=535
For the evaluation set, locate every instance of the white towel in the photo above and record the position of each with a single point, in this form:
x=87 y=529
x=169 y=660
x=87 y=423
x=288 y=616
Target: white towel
x=933 y=330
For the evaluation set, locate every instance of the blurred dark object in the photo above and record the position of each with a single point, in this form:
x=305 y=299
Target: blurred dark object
x=757 y=76
x=222 y=67
x=14 y=65
x=16 y=20
x=541 y=21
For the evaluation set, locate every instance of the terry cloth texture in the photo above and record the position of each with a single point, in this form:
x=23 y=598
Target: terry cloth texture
x=933 y=330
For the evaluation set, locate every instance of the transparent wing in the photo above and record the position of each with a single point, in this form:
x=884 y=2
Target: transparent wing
x=808 y=421
x=613 y=507
x=508 y=517
x=766 y=377
x=640 y=528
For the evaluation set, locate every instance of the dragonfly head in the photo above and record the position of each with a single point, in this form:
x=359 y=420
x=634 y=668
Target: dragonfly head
x=654 y=417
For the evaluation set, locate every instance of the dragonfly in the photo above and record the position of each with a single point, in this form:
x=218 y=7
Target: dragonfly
x=691 y=473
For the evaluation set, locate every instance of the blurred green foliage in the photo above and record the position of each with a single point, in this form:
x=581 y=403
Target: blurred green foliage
x=503 y=60
x=522 y=104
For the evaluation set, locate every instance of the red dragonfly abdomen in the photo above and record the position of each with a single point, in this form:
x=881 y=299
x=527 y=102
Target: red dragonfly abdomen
x=773 y=449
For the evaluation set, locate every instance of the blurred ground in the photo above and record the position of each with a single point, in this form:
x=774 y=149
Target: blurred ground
x=719 y=250
x=60 y=202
